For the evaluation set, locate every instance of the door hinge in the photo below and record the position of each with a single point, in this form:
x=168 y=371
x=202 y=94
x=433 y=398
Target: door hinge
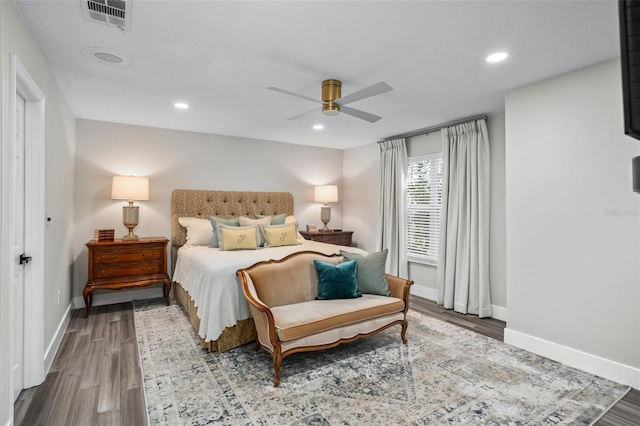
x=24 y=259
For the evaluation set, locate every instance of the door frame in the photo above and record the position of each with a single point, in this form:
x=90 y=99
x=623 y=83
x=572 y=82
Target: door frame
x=22 y=83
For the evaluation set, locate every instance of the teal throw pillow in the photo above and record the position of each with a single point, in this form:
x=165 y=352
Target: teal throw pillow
x=215 y=221
x=337 y=281
x=370 y=273
x=275 y=220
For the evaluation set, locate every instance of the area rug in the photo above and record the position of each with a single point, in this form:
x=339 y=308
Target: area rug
x=444 y=375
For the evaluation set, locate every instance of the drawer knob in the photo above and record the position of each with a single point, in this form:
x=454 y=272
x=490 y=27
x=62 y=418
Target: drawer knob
x=104 y=257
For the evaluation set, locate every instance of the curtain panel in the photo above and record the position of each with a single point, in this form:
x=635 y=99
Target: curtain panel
x=391 y=212
x=463 y=258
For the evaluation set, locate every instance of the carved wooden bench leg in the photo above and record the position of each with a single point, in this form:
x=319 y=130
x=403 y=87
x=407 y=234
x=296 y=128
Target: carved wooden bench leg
x=277 y=361
x=405 y=325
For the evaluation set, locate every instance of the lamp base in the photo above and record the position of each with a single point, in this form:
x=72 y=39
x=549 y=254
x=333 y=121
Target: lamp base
x=325 y=217
x=130 y=221
x=130 y=236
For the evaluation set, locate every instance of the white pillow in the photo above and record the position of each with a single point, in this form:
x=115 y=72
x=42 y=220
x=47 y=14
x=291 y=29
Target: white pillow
x=292 y=219
x=199 y=231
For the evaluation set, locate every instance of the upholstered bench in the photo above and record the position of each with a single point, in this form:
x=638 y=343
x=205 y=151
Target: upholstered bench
x=282 y=300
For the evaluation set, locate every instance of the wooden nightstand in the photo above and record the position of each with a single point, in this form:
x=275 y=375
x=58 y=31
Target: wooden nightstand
x=341 y=238
x=119 y=264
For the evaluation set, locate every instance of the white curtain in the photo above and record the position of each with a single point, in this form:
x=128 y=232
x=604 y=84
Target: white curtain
x=391 y=217
x=463 y=253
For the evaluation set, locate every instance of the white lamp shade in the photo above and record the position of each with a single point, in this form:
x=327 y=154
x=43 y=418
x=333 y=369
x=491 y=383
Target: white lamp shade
x=325 y=194
x=130 y=188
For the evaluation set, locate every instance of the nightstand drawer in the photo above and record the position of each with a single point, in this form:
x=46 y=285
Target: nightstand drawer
x=127 y=270
x=341 y=238
x=112 y=256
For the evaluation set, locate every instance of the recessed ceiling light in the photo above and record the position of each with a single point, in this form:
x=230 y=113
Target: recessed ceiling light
x=497 y=57
x=318 y=126
x=181 y=105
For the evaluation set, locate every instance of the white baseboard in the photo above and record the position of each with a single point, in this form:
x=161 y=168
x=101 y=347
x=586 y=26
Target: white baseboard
x=120 y=296
x=593 y=364
x=426 y=292
x=52 y=350
x=499 y=312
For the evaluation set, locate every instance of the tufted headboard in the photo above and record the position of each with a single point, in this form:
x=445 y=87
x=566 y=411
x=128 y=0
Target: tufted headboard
x=226 y=204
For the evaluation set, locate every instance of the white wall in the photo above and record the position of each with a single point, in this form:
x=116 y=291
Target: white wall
x=573 y=231
x=176 y=159
x=15 y=38
x=361 y=187
x=361 y=183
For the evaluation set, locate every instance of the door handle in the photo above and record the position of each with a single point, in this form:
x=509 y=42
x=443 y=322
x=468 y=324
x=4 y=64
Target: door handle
x=24 y=259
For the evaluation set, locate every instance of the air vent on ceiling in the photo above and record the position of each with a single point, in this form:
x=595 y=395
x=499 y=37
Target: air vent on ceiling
x=105 y=56
x=116 y=13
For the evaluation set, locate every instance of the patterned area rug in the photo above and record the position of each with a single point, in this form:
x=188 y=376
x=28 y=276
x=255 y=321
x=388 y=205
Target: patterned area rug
x=445 y=375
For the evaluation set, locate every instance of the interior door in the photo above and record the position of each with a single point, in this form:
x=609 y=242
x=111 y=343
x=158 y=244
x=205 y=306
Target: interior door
x=19 y=247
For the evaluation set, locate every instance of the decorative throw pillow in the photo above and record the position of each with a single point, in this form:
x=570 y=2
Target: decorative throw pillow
x=370 y=273
x=237 y=237
x=292 y=219
x=280 y=235
x=245 y=221
x=214 y=223
x=277 y=219
x=336 y=281
x=199 y=231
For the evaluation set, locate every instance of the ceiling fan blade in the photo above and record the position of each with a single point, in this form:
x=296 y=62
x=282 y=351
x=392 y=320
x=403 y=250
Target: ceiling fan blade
x=367 y=92
x=295 y=117
x=286 y=92
x=360 y=114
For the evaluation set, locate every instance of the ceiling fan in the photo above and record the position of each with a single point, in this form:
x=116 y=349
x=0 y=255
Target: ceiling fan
x=333 y=103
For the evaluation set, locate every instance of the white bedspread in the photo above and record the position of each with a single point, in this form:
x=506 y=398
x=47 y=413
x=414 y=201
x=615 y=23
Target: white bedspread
x=209 y=276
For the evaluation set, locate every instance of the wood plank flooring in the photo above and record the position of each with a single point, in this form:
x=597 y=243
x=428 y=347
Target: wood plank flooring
x=95 y=378
x=486 y=326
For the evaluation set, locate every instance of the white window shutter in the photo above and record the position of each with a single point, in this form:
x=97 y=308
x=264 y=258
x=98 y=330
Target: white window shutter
x=423 y=191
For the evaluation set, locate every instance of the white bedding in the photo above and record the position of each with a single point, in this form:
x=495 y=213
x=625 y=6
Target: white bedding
x=209 y=276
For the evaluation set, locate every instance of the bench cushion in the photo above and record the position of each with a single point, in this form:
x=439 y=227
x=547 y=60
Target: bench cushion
x=306 y=318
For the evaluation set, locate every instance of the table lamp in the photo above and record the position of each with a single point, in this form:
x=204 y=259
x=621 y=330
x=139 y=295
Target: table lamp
x=130 y=188
x=325 y=194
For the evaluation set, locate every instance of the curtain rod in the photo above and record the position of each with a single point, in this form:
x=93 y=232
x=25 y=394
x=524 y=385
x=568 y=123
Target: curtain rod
x=431 y=129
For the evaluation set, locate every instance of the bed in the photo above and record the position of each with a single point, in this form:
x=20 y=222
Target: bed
x=205 y=283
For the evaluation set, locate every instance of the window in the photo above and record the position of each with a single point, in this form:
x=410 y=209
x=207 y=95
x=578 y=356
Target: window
x=423 y=191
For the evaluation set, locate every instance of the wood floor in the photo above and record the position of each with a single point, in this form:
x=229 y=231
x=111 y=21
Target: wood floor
x=95 y=378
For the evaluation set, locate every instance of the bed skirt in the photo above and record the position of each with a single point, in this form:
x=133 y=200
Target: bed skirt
x=242 y=333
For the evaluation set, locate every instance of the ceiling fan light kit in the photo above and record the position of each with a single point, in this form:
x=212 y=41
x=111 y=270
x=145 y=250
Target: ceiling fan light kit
x=331 y=90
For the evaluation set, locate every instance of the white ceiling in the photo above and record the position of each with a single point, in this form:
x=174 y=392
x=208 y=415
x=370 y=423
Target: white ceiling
x=219 y=56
